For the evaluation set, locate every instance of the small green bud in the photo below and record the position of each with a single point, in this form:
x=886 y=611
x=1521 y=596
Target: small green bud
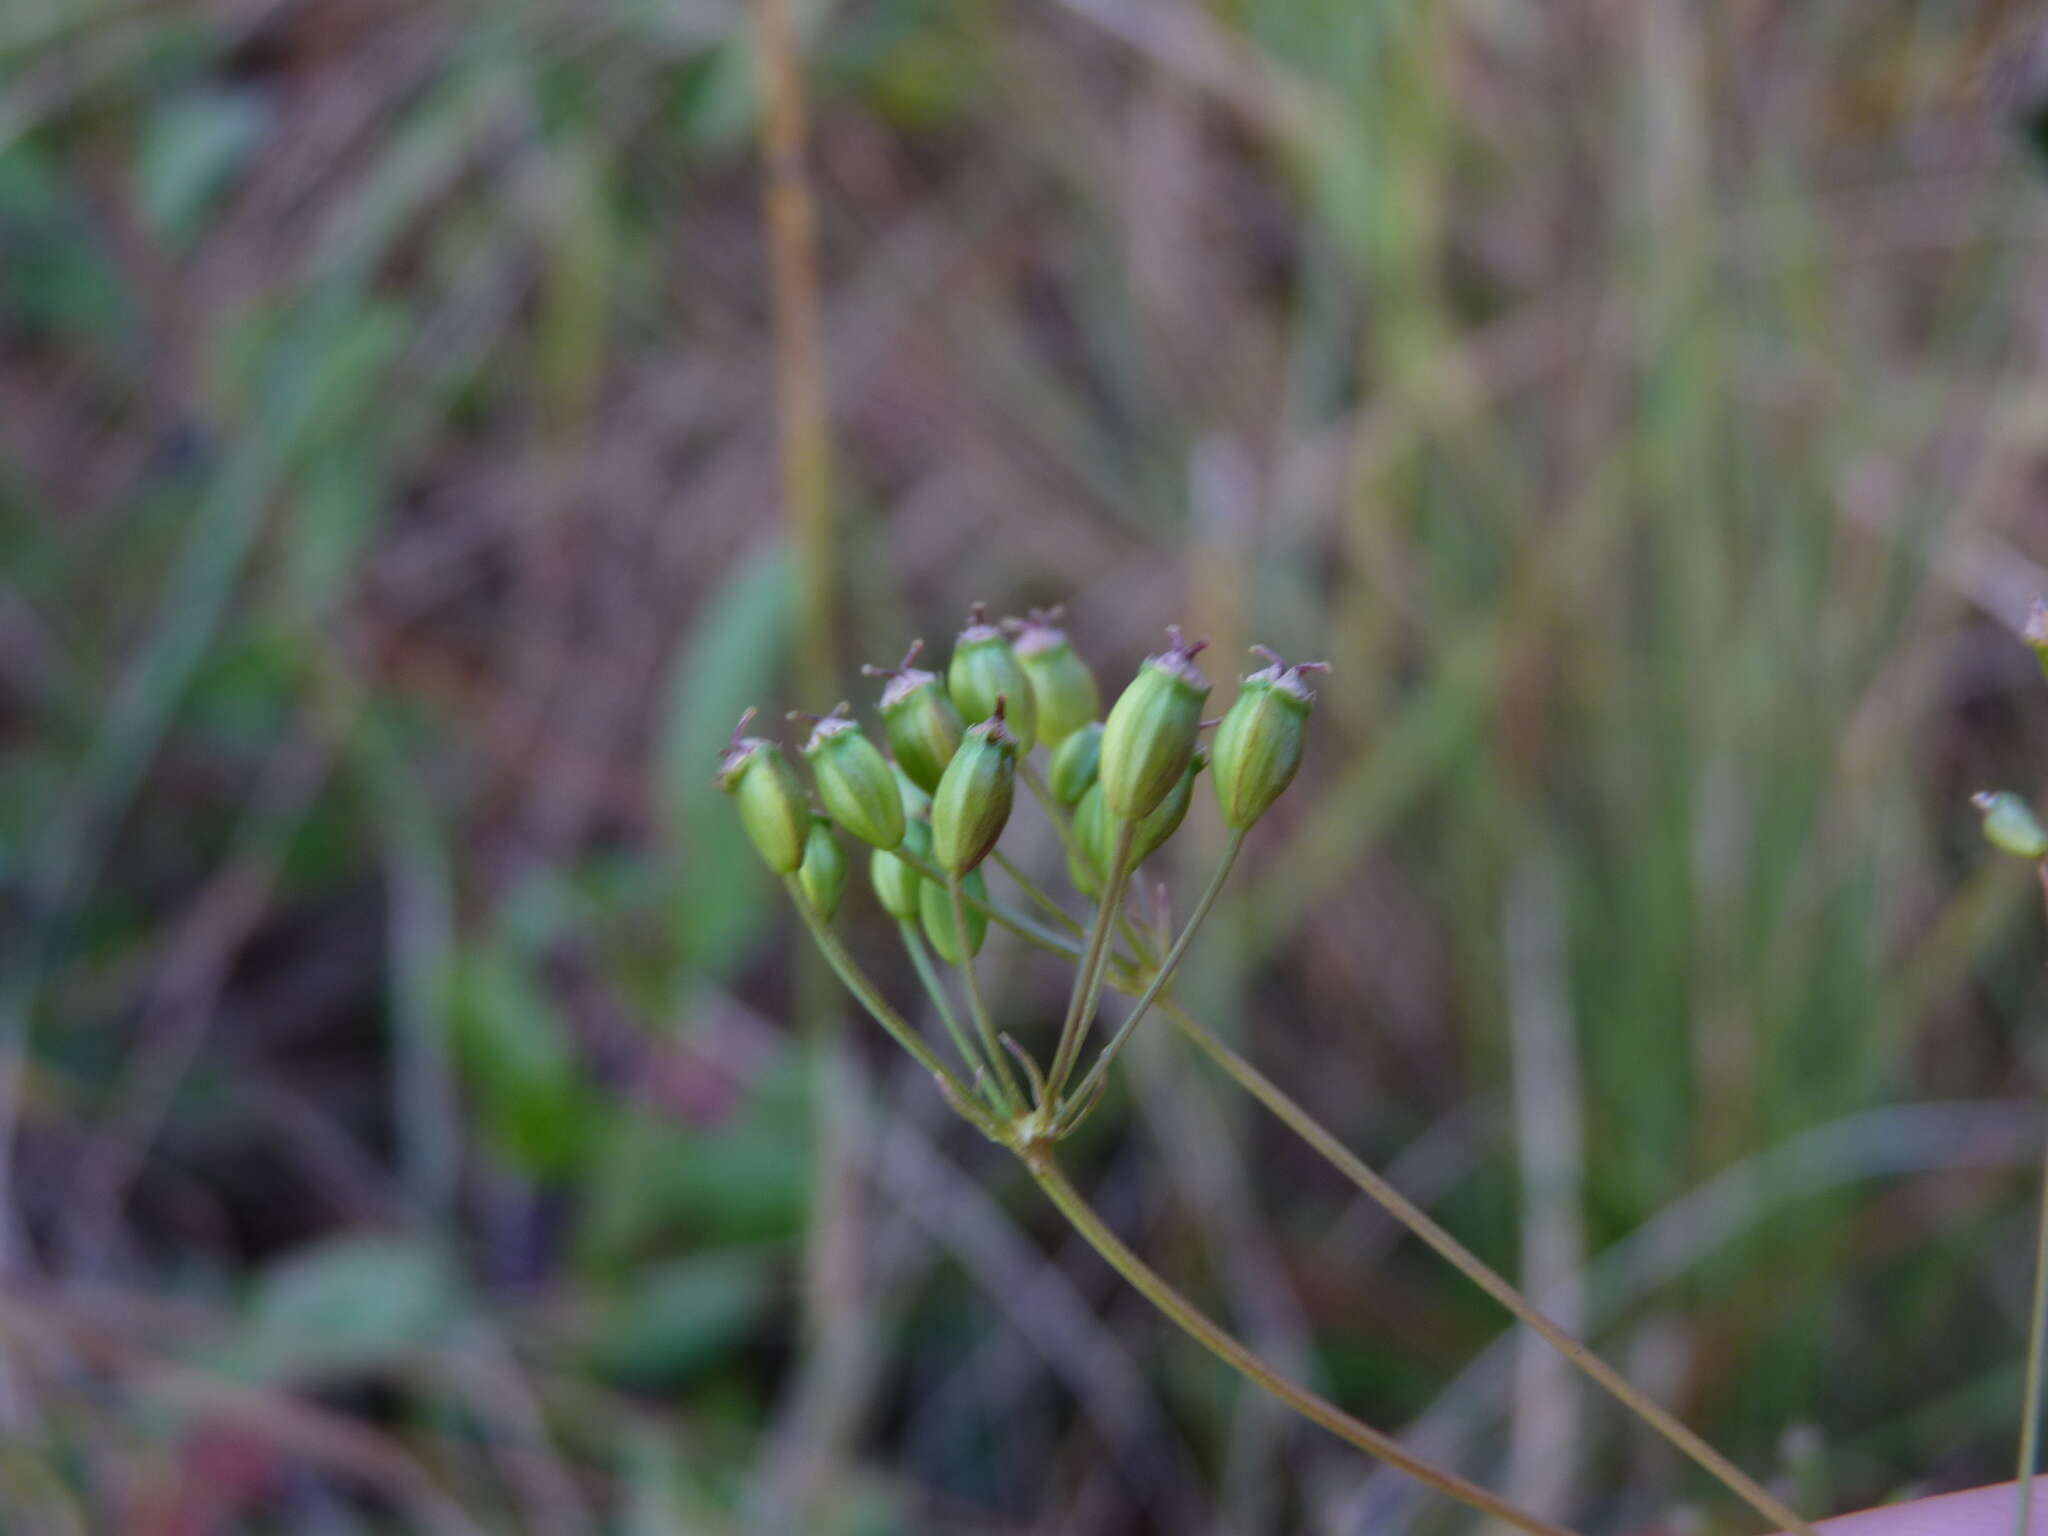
x=896 y=881
x=1094 y=841
x=854 y=780
x=2035 y=631
x=935 y=905
x=972 y=804
x=921 y=721
x=984 y=669
x=1150 y=733
x=824 y=868
x=772 y=804
x=1258 y=745
x=2010 y=826
x=1074 y=764
x=1062 y=687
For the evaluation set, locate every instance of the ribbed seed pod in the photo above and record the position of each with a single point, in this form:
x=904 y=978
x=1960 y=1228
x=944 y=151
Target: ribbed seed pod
x=1150 y=733
x=1258 y=744
x=972 y=803
x=935 y=904
x=2010 y=826
x=1150 y=833
x=823 y=874
x=771 y=801
x=854 y=780
x=919 y=718
x=985 y=669
x=1074 y=765
x=896 y=882
x=1093 y=830
x=1062 y=687
x=1097 y=833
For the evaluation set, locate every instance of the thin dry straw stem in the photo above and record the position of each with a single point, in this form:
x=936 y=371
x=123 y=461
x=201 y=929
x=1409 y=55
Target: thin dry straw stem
x=1234 y=1353
x=1412 y=1216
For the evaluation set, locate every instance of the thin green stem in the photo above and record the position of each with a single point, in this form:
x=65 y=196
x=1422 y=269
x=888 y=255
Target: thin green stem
x=2030 y=1414
x=1007 y=917
x=935 y=989
x=1232 y=1352
x=1054 y=811
x=1088 y=979
x=1410 y=1215
x=1037 y=894
x=869 y=996
x=1164 y=974
x=2037 y=1326
x=977 y=1005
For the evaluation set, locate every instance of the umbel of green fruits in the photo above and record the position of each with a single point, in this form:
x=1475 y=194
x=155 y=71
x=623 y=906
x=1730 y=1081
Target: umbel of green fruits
x=933 y=796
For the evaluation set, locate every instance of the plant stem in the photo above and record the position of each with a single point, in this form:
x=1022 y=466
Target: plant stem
x=1088 y=979
x=2030 y=1415
x=977 y=1005
x=1054 y=812
x=1015 y=921
x=1410 y=1215
x=1164 y=973
x=1232 y=1352
x=1040 y=897
x=869 y=996
x=2037 y=1326
x=921 y=960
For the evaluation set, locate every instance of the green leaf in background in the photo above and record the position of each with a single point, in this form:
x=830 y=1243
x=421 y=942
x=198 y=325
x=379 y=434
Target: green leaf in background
x=519 y=1065
x=675 y=1319
x=730 y=660
x=341 y=1308
x=191 y=148
x=657 y=1179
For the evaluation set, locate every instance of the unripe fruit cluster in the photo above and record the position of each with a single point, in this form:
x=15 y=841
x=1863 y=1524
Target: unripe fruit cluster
x=937 y=803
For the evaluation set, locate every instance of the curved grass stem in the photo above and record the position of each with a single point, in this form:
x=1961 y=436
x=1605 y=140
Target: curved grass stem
x=1410 y=1215
x=1234 y=1353
x=2030 y=1413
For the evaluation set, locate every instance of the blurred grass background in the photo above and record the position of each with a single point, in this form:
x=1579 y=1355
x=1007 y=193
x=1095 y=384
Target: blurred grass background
x=406 y=1121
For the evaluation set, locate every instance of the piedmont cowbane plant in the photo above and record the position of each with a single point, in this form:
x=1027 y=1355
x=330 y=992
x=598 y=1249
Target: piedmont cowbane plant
x=2010 y=826
x=1116 y=789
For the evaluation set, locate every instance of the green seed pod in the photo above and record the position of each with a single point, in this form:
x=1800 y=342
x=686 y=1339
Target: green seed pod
x=985 y=669
x=1074 y=764
x=2010 y=826
x=921 y=721
x=972 y=804
x=854 y=780
x=1062 y=687
x=935 y=905
x=1149 y=835
x=824 y=868
x=772 y=804
x=1097 y=832
x=896 y=882
x=1150 y=733
x=1258 y=745
x=1094 y=838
